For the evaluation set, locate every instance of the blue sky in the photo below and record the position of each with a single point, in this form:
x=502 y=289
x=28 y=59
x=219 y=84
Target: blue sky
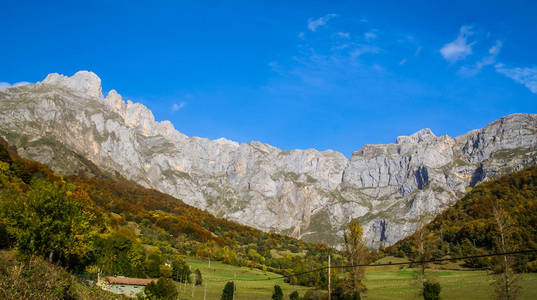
x=294 y=74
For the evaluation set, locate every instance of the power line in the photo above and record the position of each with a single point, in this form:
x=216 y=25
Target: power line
x=439 y=260
x=388 y=264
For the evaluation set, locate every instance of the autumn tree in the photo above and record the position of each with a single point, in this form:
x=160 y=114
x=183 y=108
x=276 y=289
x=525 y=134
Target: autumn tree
x=423 y=250
x=506 y=284
x=52 y=220
x=356 y=253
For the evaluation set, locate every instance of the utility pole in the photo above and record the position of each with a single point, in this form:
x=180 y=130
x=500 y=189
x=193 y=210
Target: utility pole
x=329 y=296
x=205 y=291
x=192 y=289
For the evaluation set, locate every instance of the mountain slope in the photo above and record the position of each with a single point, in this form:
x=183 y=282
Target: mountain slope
x=65 y=122
x=470 y=223
x=120 y=225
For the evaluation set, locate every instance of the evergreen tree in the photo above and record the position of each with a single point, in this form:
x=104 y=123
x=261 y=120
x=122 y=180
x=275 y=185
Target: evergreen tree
x=294 y=296
x=227 y=293
x=278 y=293
x=431 y=290
x=4 y=155
x=199 y=280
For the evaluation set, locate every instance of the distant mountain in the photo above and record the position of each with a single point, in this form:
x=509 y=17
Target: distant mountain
x=65 y=122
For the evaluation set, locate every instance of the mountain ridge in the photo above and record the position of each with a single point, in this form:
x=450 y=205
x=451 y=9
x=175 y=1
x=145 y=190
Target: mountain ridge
x=303 y=193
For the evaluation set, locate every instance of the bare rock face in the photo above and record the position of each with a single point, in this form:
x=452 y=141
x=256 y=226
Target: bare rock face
x=82 y=82
x=65 y=121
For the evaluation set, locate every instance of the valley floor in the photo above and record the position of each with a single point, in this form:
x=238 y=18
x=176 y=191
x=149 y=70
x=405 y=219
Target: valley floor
x=474 y=285
x=384 y=283
x=250 y=283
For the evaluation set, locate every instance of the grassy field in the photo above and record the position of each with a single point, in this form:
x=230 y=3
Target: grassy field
x=474 y=285
x=457 y=282
x=218 y=274
x=383 y=283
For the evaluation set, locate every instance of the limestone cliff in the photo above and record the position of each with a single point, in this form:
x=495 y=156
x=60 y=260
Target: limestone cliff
x=65 y=121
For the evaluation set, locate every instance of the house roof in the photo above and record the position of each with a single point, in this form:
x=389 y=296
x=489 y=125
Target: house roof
x=131 y=281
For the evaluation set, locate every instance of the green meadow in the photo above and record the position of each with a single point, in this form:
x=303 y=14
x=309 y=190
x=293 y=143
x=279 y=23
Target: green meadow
x=391 y=282
x=474 y=285
x=218 y=274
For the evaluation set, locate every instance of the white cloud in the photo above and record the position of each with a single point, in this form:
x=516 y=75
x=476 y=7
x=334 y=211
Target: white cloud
x=341 y=47
x=494 y=50
x=301 y=35
x=314 y=24
x=5 y=85
x=178 y=106
x=363 y=49
x=525 y=76
x=344 y=35
x=486 y=61
x=418 y=51
x=459 y=48
x=370 y=35
x=402 y=62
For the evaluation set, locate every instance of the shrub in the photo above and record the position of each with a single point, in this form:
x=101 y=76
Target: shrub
x=278 y=294
x=163 y=289
x=315 y=295
x=199 y=279
x=35 y=279
x=431 y=290
x=227 y=293
x=294 y=295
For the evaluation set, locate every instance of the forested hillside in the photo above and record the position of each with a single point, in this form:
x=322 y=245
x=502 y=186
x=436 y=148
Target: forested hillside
x=115 y=227
x=470 y=227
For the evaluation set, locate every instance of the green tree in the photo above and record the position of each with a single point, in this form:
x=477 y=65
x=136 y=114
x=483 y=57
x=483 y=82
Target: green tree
x=278 y=293
x=164 y=288
x=227 y=293
x=153 y=265
x=431 y=290
x=4 y=155
x=341 y=292
x=180 y=270
x=294 y=296
x=4 y=237
x=199 y=279
x=136 y=256
x=52 y=221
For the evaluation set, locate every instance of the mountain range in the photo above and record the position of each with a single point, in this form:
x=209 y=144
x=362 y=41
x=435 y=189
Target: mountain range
x=67 y=123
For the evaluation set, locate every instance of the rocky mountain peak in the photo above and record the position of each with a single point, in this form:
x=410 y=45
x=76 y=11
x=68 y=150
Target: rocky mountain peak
x=83 y=82
x=422 y=135
x=114 y=100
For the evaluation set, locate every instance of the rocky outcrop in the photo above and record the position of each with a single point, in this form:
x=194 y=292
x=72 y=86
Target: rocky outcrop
x=64 y=121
